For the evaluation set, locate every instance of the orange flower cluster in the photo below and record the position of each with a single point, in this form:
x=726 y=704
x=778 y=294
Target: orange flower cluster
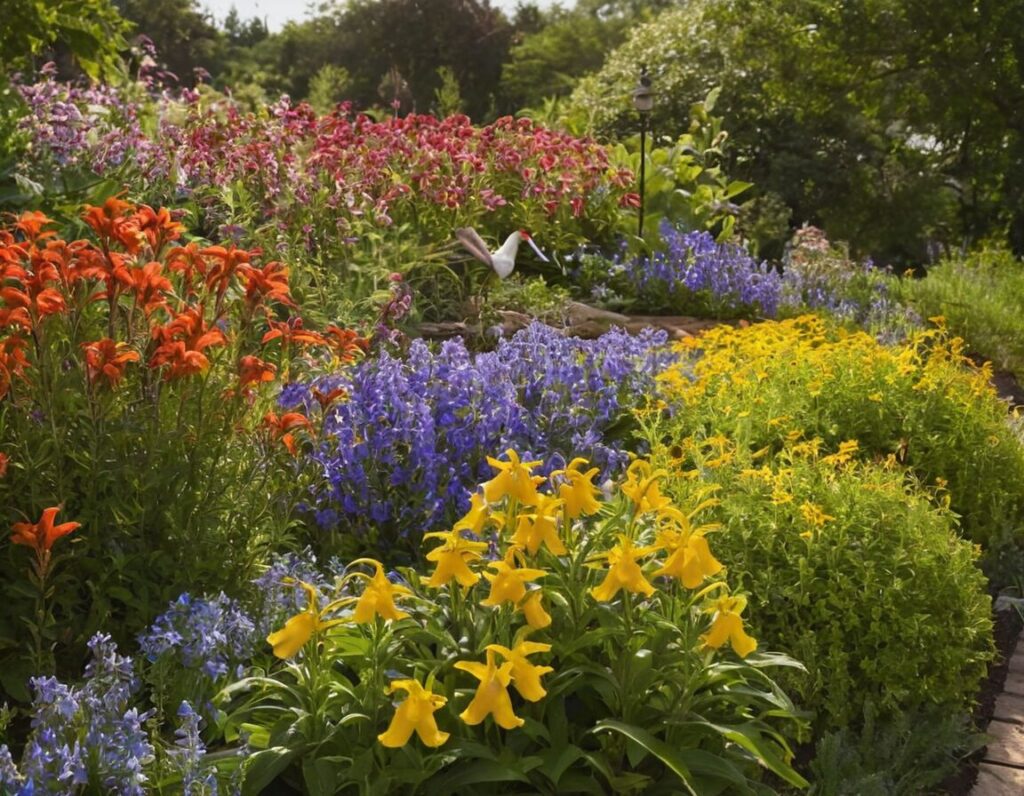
x=160 y=301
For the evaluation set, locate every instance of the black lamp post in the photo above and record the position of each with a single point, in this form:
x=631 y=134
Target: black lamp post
x=643 y=101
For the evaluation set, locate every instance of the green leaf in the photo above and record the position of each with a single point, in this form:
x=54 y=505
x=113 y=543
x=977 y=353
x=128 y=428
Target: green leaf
x=263 y=767
x=475 y=773
x=667 y=755
x=751 y=740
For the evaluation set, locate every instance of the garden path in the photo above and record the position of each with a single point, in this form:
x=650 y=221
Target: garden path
x=1001 y=773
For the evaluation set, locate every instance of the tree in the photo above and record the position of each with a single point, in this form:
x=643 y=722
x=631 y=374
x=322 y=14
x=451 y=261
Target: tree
x=892 y=123
x=184 y=37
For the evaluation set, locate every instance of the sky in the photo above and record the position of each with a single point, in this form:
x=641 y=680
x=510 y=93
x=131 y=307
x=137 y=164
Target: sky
x=277 y=12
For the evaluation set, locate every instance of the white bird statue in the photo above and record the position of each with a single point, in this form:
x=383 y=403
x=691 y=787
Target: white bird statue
x=502 y=261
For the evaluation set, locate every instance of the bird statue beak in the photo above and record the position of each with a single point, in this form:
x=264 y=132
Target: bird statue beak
x=537 y=251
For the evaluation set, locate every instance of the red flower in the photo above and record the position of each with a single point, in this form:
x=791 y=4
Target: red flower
x=107 y=359
x=31 y=224
x=630 y=200
x=41 y=535
x=4 y=461
x=329 y=397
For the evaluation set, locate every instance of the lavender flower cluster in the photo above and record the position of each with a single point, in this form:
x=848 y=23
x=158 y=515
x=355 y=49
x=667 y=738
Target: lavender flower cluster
x=695 y=273
x=84 y=735
x=413 y=435
x=209 y=635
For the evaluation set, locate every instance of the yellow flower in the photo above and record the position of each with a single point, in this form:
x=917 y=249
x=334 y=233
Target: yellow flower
x=540 y=527
x=533 y=609
x=508 y=583
x=416 y=712
x=623 y=572
x=689 y=557
x=298 y=630
x=452 y=557
x=477 y=517
x=728 y=626
x=525 y=676
x=577 y=491
x=378 y=599
x=491 y=696
x=513 y=479
x=641 y=486
x=813 y=515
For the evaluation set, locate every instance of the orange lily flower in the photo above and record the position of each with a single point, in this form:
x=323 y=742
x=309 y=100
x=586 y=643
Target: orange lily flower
x=12 y=361
x=31 y=223
x=114 y=222
x=291 y=332
x=345 y=343
x=268 y=282
x=41 y=535
x=150 y=287
x=230 y=259
x=181 y=344
x=107 y=359
x=253 y=370
x=281 y=428
x=188 y=261
x=158 y=226
x=325 y=399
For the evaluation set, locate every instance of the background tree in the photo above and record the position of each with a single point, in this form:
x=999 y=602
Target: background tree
x=895 y=124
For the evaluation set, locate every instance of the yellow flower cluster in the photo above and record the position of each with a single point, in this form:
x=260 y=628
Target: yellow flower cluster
x=518 y=526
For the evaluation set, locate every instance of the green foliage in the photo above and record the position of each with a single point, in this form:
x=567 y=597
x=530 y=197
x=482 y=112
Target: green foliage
x=626 y=698
x=447 y=99
x=91 y=32
x=847 y=566
x=878 y=120
x=530 y=296
x=907 y=756
x=922 y=404
x=183 y=37
x=328 y=87
x=981 y=297
x=686 y=182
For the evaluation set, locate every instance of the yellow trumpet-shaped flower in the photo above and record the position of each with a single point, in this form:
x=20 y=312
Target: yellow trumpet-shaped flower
x=513 y=479
x=491 y=696
x=452 y=557
x=540 y=527
x=478 y=516
x=641 y=486
x=508 y=582
x=577 y=492
x=728 y=626
x=525 y=675
x=298 y=630
x=415 y=713
x=623 y=572
x=378 y=598
x=533 y=609
x=689 y=557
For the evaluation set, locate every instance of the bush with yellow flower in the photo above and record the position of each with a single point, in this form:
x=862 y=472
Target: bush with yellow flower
x=565 y=638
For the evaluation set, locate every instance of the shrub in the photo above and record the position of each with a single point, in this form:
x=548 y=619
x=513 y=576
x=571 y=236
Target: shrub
x=981 y=298
x=540 y=615
x=922 y=404
x=399 y=454
x=852 y=570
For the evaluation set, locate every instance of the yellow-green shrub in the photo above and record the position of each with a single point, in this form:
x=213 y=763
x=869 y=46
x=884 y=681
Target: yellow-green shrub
x=921 y=404
x=850 y=568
